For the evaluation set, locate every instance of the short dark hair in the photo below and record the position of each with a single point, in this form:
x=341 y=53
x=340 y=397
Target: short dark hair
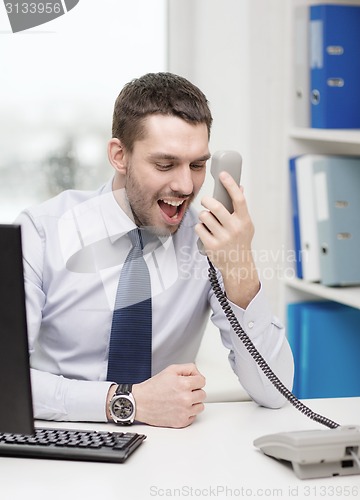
x=157 y=93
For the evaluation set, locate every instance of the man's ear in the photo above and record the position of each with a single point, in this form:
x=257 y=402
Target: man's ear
x=117 y=155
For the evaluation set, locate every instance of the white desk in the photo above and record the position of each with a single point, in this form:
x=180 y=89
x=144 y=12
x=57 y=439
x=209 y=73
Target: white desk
x=212 y=458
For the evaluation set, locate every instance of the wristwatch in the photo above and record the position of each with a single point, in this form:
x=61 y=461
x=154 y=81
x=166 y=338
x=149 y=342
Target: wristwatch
x=122 y=405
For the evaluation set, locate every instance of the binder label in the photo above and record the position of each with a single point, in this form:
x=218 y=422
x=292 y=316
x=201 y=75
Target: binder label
x=316 y=37
x=321 y=196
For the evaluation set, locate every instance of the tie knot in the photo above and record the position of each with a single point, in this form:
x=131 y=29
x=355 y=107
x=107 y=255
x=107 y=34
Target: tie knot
x=135 y=238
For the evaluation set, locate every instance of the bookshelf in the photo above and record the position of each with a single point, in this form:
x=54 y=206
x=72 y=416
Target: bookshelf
x=302 y=140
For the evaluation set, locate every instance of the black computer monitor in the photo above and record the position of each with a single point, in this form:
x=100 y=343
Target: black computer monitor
x=16 y=410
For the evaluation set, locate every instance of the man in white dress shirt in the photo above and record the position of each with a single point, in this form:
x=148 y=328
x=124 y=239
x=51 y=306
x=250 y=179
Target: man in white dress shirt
x=74 y=250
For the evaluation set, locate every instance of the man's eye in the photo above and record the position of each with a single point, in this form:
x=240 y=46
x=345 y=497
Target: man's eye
x=197 y=166
x=164 y=166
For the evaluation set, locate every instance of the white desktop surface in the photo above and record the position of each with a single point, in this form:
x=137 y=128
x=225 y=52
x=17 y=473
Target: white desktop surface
x=212 y=458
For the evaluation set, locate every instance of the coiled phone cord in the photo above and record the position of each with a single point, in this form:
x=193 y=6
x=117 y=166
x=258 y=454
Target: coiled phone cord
x=258 y=357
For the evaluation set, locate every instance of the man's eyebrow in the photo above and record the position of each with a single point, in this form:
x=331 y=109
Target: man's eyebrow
x=162 y=156
x=166 y=156
x=204 y=158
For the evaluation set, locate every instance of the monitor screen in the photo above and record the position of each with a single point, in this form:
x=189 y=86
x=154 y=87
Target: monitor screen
x=16 y=411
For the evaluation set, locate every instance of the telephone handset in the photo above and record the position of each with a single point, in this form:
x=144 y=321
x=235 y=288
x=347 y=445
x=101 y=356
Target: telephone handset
x=228 y=161
x=232 y=163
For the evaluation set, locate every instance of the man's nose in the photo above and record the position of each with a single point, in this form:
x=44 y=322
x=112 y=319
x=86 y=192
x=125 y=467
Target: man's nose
x=182 y=181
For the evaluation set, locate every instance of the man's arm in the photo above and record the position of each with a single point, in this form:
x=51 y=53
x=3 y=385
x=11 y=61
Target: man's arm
x=227 y=239
x=55 y=397
x=268 y=335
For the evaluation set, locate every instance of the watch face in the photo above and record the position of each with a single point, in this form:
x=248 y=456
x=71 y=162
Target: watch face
x=122 y=408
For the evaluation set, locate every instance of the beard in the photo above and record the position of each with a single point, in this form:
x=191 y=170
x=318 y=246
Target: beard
x=143 y=206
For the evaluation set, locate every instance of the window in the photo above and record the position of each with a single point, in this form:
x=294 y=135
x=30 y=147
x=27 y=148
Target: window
x=59 y=82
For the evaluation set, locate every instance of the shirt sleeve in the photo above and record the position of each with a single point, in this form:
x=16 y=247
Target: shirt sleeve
x=58 y=398
x=268 y=336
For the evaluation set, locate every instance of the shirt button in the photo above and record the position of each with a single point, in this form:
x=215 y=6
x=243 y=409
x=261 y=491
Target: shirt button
x=250 y=324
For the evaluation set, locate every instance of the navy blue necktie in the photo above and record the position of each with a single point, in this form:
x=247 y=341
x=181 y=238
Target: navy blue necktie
x=131 y=330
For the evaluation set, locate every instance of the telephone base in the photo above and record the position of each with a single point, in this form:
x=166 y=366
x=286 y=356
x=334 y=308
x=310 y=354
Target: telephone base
x=316 y=453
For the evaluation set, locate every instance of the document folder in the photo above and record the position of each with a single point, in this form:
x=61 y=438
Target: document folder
x=335 y=66
x=337 y=196
x=295 y=217
x=304 y=166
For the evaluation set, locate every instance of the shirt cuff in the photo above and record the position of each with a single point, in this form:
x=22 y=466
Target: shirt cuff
x=86 y=401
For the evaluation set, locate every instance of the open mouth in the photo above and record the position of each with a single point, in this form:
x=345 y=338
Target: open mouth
x=172 y=210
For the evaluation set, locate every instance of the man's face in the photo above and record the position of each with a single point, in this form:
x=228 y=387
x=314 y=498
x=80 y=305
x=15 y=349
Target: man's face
x=165 y=172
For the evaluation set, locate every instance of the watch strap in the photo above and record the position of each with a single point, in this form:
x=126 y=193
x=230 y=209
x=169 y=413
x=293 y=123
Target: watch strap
x=123 y=389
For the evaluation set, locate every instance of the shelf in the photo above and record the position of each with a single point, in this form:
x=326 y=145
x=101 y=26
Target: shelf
x=341 y=136
x=306 y=140
x=345 y=295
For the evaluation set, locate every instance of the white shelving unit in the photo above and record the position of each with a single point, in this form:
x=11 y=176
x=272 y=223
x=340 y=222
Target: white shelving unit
x=323 y=141
x=349 y=295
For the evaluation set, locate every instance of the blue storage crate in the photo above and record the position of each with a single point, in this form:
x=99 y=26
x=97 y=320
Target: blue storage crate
x=325 y=339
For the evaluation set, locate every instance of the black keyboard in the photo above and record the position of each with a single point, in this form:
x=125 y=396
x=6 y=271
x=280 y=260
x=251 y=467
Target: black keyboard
x=71 y=444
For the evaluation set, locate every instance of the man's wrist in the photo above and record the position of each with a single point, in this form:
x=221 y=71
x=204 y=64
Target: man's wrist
x=242 y=285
